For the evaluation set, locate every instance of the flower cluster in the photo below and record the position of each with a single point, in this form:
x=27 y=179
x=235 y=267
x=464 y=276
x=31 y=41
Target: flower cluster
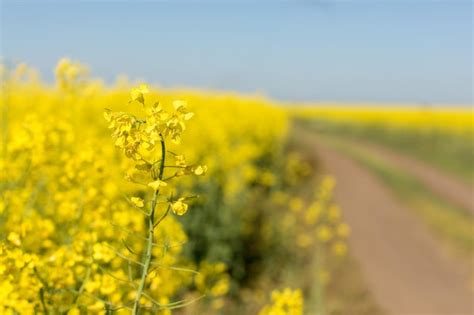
x=286 y=302
x=71 y=243
x=320 y=223
x=70 y=74
x=144 y=142
x=77 y=239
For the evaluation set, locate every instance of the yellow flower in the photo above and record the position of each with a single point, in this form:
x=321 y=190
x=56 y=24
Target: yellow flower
x=181 y=106
x=199 y=170
x=339 y=248
x=108 y=114
x=137 y=93
x=74 y=311
x=180 y=160
x=14 y=238
x=137 y=202
x=334 y=213
x=179 y=207
x=102 y=252
x=221 y=287
x=324 y=233
x=157 y=184
x=296 y=204
x=286 y=302
x=178 y=104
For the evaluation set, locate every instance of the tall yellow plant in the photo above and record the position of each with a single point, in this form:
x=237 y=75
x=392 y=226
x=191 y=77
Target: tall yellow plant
x=144 y=141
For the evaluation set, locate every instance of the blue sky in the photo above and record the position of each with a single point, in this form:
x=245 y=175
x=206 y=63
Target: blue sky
x=377 y=51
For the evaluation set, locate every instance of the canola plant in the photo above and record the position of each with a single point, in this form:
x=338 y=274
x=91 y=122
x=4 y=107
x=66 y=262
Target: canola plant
x=146 y=211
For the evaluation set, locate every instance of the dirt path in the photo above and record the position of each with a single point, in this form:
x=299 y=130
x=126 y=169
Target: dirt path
x=442 y=184
x=405 y=268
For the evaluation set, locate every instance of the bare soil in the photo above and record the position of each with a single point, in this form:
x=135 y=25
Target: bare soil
x=445 y=185
x=405 y=267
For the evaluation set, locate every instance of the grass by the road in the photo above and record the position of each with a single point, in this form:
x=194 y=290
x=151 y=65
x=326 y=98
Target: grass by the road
x=450 y=152
x=452 y=224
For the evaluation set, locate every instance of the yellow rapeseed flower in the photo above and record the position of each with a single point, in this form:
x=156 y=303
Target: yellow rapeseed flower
x=200 y=170
x=339 y=248
x=324 y=233
x=137 y=201
x=14 y=238
x=157 y=184
x=179 y=207
x=137 y=93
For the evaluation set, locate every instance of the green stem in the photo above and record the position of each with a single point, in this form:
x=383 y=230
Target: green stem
x=83 y=284
x=43 y=303
x=150 y=239
x=163 y=155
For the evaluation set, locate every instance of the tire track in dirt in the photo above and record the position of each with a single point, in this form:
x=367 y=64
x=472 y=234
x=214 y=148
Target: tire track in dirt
x=442 y=184
x=405 y=268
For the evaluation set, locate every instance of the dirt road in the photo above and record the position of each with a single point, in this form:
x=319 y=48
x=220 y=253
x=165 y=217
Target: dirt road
x=441 y=183
x=405 y=268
